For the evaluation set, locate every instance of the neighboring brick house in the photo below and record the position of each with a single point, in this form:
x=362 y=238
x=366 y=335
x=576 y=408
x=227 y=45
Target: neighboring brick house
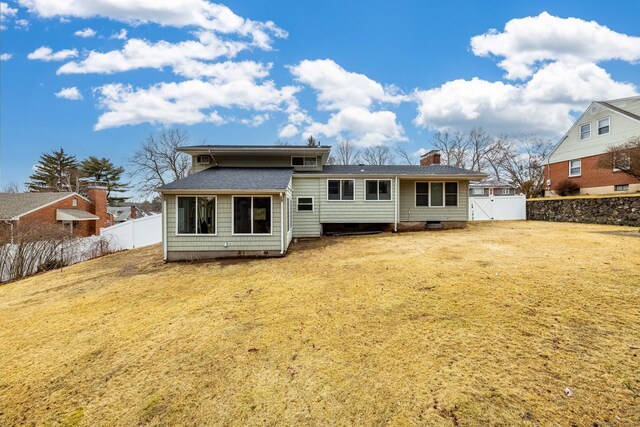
x=602 y=125
x=83 y=216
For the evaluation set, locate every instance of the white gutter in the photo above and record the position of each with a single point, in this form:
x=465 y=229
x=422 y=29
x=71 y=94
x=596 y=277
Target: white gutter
x=281 y=225
x=395 y=206
x=164 y=230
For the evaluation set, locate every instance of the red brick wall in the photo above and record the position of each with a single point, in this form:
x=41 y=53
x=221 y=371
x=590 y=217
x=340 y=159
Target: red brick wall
x=591 y=174
x=98 y=196
x=48 y=214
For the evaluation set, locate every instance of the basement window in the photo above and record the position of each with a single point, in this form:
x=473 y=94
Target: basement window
x=603 y=126
x=585 y=131
x=624 y=187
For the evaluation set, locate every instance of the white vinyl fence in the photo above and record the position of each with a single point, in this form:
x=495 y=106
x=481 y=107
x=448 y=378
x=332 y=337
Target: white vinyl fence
x=136 y=233
x=21 y=260
x=499 y=208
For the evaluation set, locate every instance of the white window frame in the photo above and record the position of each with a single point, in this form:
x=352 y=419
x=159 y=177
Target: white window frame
x=378 y=190
x=506 y=191
x=289 y=214
x=580 y=131
x=313 y=203
x=199 y=158
x=197 y=218
x=233 y=215
x=608 y=118
x=575 y=160
x=74 y=202
x=341 y=199
x=304 y=161
x=621 y=185
x=444 y=194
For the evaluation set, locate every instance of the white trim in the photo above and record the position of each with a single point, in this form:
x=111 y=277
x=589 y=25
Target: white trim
x=395 y=205
x=233 y=233
x=313 y=203
x=444 y=194
x=165 y=226
x=506 y=191
x=281 y=222
x=196 y=233
x=341 y=199
x=598 y=126
x=580 y=131
x=569 y=163
x=378 y=190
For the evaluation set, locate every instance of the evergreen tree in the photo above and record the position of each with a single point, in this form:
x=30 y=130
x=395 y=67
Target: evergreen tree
x=102 y=170
x=57 y=171
x=312 y=142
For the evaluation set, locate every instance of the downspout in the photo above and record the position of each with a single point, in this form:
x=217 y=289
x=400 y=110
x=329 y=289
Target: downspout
x=395 y=206
x=281 y=225
x=164 y=230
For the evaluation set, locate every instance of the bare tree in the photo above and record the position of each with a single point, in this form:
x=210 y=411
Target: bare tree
x=158 y=161
x=524 y=164
x=404 y=155
x=12 y=187
x=451 y=145
x=378 y=155
x=495 y=156
x=478 y=142
x=347 y=154
x=623 y=157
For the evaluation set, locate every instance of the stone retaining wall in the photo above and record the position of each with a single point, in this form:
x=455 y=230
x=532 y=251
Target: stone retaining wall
x=603 y=210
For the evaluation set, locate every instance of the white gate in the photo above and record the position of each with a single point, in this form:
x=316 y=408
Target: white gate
x=500 y=208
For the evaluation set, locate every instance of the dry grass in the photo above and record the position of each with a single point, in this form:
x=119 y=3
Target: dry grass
x=482 y=326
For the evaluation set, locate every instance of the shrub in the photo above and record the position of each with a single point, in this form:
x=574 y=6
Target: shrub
x=567 y=187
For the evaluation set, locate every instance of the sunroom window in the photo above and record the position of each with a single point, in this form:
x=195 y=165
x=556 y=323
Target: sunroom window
x=251 y=215
x=197 y=215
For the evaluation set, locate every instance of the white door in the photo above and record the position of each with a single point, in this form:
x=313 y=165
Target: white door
x=497 y=208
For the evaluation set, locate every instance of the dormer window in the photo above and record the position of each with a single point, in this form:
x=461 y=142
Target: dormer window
x=585 y=131
x=603 y=126
x=203 y=160
x=304 y=161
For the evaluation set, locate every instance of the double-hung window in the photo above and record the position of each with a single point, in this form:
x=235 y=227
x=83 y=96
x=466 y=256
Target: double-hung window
x=505 y=191
x=377 y=189
x=575 y=167
x=251 y=215
x=437 y=194
x=196 y=215
x=604 y=126
x=340 y=189
x=305 y=204
x=585 y=131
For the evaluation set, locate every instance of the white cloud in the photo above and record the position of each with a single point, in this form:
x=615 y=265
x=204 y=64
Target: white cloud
x=531 y=40
x=338 y=88
x=86 y=33
x=542 y=105
x=22 y=24
x=352 y=96
x=121 y=35
x=187 y=102
x=5 y=56
x=361 y=126
x=256 y=120
x=71 y=93
x=6 y=12
x=45 y=53
x=138 y=53
x=176 y=13
x=287 y=131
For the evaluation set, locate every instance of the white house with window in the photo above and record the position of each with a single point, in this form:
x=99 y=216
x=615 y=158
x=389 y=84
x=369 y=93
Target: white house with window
x=577 y=156
x=253 y=200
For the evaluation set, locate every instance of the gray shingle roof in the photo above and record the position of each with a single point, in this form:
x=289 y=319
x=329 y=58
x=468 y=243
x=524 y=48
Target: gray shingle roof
x=393 y=170
x=220 y=178
x=15 y=204
x=73 y=214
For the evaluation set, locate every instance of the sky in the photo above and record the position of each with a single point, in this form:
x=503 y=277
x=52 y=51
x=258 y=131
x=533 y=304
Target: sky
x=96 y=77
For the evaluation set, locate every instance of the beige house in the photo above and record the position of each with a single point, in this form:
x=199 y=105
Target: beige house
x=253 y=200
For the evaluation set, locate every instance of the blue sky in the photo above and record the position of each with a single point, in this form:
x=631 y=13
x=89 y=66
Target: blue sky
x=374 y=72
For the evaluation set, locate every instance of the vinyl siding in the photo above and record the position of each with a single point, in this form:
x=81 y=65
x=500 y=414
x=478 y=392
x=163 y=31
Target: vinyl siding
x=255 y=242
x=621 y=129
x=358 y=210
x=306 y=224
x=409 y=212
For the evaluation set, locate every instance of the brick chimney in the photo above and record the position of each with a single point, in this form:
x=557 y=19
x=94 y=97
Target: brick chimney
x=98 y=196
x=133 y=212
x=430 y=158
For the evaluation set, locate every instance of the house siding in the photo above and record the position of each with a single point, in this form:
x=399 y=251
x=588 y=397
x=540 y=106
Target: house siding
x=305 y=223
x=255 y=161
x=409 y=211
x=235 y=243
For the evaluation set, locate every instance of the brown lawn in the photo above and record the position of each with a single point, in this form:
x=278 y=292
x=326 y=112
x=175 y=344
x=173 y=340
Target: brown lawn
x=483 y=326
